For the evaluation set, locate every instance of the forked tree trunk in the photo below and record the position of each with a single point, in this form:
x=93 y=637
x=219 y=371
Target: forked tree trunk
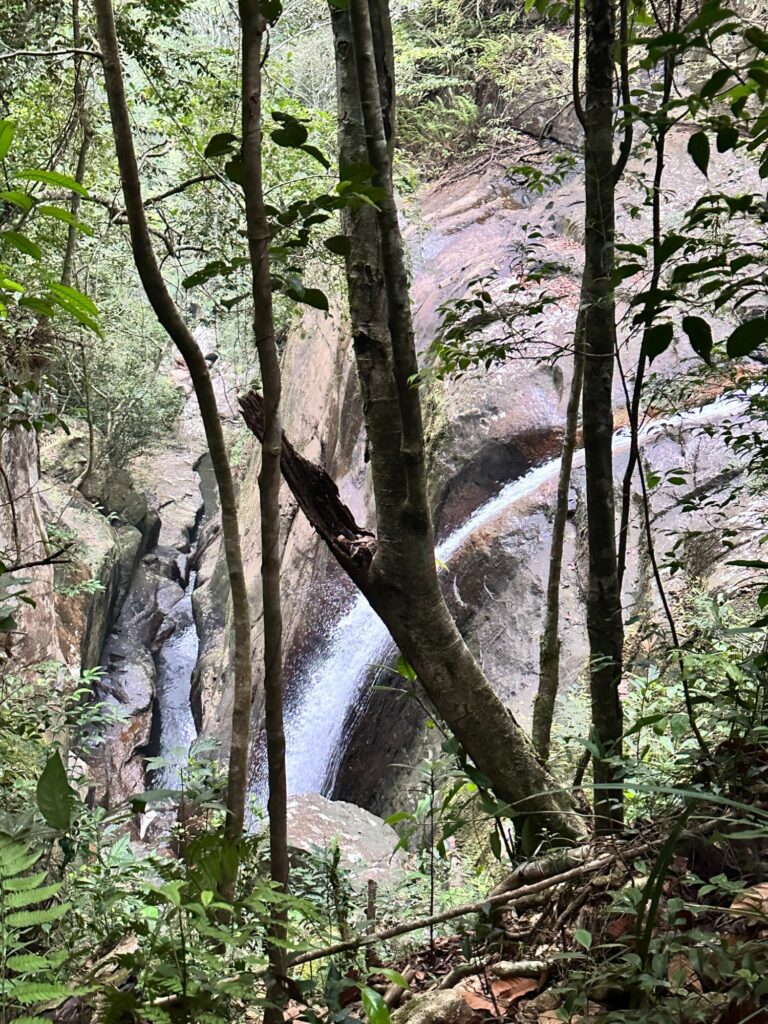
x=401 y=581
x=253 y=27
x=169 y=317
x=604 y=617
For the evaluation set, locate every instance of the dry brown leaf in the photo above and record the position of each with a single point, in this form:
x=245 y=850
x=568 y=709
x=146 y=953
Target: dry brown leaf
x=752 y=901
x=680 y=971
x=505 y=993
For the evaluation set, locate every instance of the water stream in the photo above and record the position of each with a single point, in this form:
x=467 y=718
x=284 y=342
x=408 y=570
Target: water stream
x=176 y=661
x=335 y=677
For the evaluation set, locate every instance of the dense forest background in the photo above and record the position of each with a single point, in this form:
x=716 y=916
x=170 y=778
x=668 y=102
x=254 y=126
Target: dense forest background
x=382 y=511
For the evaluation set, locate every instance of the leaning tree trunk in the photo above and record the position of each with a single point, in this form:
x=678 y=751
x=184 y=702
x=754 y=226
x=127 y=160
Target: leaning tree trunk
x=168 y=315
x=604 y=617
x=253 y=27
x=397 y=573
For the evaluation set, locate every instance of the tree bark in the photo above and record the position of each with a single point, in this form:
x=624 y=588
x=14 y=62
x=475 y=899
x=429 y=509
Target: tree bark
x=398 y=573
x=253 y=27
x=604 y=616
x=169 y=317
x=549 y=648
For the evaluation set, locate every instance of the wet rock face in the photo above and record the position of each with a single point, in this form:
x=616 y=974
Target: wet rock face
x=22 y=539
x=497 y=583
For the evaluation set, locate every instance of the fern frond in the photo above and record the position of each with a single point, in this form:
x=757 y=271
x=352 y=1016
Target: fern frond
x=23 y=963
x=17 y=900
x=26 y=992
x=25 y=882
x=31 y=918
x=17 y=861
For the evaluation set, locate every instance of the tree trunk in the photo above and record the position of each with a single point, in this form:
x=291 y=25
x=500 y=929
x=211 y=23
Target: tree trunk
x=549 y=648
x=67 y=267
x=397 y=572
x=253 y=27
x=170 y=318
x=604 y=618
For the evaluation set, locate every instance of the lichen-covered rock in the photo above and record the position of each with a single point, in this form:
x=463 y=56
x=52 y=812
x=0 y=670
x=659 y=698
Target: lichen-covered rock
x=436 y=1007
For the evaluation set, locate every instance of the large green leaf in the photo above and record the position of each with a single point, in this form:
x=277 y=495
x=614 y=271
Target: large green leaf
x=700 y=336
x=53 y=794
x=747 y=337
x=65 y=216
x=7 y=131
x=376 y=1010
x=53 y=178
x=22 y=243
x=698 y=149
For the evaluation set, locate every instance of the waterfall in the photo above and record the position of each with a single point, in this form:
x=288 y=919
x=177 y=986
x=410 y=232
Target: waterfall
x=176 y=661
x=335 y=676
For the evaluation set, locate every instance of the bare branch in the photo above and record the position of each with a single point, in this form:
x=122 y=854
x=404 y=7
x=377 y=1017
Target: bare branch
x=72 y=51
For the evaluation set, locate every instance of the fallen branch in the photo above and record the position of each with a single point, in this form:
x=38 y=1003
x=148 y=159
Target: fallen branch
x=509 y=899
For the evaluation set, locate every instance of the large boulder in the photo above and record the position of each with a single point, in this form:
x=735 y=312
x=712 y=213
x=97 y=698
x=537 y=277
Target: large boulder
x=366 y=843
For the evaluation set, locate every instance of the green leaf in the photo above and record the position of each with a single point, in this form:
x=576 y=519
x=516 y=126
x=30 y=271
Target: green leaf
x=19 y=900
x=747 y=337
x=16 y=197
x=22 y=243
x=700 y=336
x=698 y=150
x=376 y=1010
x=338 y=244
x=221 y=144
x=65 y=216
x=315 y=152
x=33 y=918
x=394 y=976
x=727 y=138
x=53 y=178
x=53 y=794
x=393 y=819
x=293 y=135
x=315 y=298
x=715 y=83
x=36 y=304
x=657 y=339
x=235 y=171
x=583 y=937
x=7 y=131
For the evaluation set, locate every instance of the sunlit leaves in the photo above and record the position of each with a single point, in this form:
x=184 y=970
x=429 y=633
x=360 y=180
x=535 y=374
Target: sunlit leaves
x=21 y=243
x=7 y=131
x=53 y=178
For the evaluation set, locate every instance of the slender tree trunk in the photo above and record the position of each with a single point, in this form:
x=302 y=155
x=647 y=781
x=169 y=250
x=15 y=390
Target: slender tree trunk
x=633 y=407
x=169 y=317
x=549 y=648
x=604 y=616
x=67 y=269
x=401 y=583
x=253 y=27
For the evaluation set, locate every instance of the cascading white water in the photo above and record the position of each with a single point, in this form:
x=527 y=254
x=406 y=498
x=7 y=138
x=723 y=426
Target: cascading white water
x=335 y=676
x=175 y=665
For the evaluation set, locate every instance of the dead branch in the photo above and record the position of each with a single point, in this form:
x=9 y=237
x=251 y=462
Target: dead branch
x=12 y=54
x=318 y=497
